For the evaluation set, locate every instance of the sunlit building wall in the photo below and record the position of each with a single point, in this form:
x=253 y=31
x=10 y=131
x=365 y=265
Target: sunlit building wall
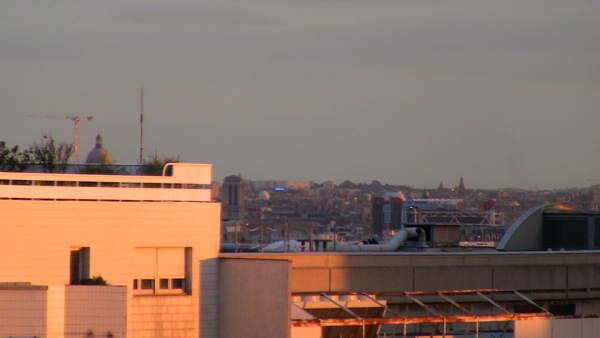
x=158 y=236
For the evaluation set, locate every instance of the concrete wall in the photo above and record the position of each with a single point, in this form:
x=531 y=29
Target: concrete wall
x=110 y=187
x=558 y=328
x=36 y=238
x=56 y=311
x=391 y=272
x=96 y=309
x=306 y=332
x=525 y=233
x=23 y=311
x=209 y=297
x=62 y=311
x=254 y=298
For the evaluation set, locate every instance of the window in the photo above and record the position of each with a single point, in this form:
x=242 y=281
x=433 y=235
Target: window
x=562 y=309
x=162 y=270
x=177 y=283
x=147 y=284
x=525 y=308
x=164 y=283
x=597 y=232
x=569 y=233
x=80 y=265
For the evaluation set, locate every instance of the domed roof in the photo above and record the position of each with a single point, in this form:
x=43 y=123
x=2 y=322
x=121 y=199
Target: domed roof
x=264 y=195
x=98 y=154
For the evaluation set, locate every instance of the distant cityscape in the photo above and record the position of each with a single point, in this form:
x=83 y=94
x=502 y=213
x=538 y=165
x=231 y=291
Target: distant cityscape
x=160 y=249
x=262 y=211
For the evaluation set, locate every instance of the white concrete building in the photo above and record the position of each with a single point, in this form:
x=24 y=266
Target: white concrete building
x=154 y=239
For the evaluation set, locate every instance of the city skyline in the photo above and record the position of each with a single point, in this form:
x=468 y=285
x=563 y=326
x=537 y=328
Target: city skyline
x=504 y=94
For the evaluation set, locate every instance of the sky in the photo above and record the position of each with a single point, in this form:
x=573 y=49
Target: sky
x=503 y=92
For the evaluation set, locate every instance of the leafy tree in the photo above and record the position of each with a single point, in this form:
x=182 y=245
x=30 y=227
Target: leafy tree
x=95 y=280
x=12 y=159
x=154 y=165
x=49 y=156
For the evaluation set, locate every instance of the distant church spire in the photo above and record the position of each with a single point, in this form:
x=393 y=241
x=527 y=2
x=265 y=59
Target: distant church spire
x=441 y=186
x=461 y=186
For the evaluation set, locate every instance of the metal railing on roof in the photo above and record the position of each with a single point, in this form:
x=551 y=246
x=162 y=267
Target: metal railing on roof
x=435 y=316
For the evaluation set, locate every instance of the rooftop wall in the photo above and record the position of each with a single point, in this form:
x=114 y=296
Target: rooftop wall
x=23 y=311
x=254 y=298
x=525 y=233
x=397 y=272
x=36 y=238
x=101 y=310
x=189 y=182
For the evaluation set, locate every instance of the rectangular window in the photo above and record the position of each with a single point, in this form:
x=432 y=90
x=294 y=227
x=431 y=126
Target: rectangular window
x=147 y=284
x=597 y=232
x=162 y=270
x=21 y=182
x=135 y=284
x=562 y=309
x=568 y=233
x=164 y=283
x=80 y=265
x=177 y=283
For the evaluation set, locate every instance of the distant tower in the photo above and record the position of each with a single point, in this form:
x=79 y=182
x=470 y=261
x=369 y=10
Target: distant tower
x=441 y=186
x=594 y=200
x=396 y=212
x=99 y=154
x=461 y=186
x=377 y=217
x=233 y=197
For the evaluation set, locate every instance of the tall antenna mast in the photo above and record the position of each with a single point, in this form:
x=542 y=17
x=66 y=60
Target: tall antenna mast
x=141 y=125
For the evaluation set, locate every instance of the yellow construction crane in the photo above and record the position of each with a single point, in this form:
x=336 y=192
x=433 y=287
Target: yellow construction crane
x=76 y=121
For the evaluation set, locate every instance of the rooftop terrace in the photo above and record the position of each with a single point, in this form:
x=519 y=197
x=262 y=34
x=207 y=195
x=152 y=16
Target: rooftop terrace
x=185 y=182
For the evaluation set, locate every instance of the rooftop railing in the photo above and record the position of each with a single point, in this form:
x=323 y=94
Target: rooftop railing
x=187 y=182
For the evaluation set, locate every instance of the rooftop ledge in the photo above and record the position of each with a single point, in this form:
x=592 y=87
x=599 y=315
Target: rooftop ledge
x=179 y=182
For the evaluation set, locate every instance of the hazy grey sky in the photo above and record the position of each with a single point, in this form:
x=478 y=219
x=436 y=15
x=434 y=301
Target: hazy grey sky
x=502 y=92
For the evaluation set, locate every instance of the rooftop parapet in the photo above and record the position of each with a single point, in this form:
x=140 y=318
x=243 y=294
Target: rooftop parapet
x=186 y=182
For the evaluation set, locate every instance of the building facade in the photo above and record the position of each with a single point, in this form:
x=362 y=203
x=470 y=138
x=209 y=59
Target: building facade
x=233 y=197
x=157 y=236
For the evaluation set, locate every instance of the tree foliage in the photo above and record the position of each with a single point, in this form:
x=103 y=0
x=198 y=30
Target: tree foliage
x=49 y=156
x=95 y=280
x=154 y=165
x=46 y=154
x=13 y=159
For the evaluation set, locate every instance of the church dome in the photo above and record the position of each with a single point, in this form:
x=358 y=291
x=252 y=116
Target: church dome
x=98 y=154
x=264 y=195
